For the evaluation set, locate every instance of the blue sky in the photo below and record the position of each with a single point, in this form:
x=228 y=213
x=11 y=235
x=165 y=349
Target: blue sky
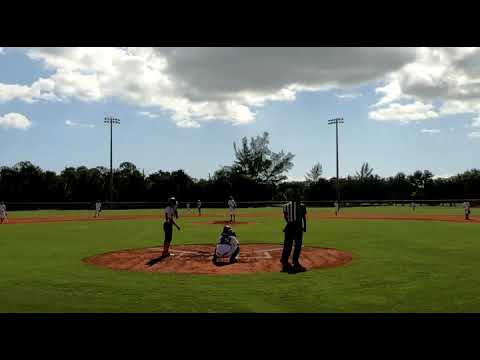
x=170 y=141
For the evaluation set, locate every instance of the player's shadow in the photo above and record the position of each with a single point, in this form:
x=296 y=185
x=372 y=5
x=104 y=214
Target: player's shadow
x=156 y=260
x=219 y=264
x=223 y=263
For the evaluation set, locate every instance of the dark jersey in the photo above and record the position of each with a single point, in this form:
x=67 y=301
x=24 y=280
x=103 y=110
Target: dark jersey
x=294 y=211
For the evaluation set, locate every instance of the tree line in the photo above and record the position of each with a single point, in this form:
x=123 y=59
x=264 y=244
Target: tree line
x=256 y=174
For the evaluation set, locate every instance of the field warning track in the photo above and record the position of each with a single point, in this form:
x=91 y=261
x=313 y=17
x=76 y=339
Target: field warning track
x=278 y=215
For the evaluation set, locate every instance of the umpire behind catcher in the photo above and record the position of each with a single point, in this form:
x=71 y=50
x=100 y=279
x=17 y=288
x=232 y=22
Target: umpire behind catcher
x=295 y=214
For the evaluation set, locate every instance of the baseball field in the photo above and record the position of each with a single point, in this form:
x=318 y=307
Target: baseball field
x=399 y=261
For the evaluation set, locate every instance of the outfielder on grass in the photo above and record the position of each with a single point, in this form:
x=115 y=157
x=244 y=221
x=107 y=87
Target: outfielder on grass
x=98 y=208
x=3 y=212
x=232 y=205
x=466 y=207
x=170 y=215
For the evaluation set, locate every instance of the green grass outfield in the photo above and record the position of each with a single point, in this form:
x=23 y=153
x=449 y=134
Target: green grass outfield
x=398 y=266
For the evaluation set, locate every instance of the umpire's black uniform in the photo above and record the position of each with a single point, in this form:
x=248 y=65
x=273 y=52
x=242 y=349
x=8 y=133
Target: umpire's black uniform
x=295 y=214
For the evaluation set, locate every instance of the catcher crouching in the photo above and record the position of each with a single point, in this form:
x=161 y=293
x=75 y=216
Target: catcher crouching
x=228 y=247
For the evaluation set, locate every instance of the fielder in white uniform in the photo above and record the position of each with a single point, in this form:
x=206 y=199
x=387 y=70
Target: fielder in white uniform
x=170 y=215
x=199 y=207
x=176 y=209
x=228 y=246
x=232 y=205
x=466 y=207
x=98 y=208
x=3 y=213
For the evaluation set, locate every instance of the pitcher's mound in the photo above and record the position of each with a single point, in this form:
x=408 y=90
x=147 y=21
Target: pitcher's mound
x=223 y=222
x=197 y=259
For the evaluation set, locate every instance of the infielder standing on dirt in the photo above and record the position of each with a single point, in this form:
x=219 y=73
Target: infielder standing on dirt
x=466 y=207
x=3 y=212
x=168 y=225
x=98 y=208
x=295 y=214
x=199 y=207
x=232 y=205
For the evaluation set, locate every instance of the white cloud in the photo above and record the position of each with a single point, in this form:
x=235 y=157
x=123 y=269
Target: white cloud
x=476 y=122
x=404 y=112
x=430 y=131
x=474 y=135
x=196 y=85
x=348 y=95
x=15 y=121
x=76 y=124
x=188 y=124
x=392 y=91
x=447 y=76
x=148 y=114
x=443 y=176
x=295 y=178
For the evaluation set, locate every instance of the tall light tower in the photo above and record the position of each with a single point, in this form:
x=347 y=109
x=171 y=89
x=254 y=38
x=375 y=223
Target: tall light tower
x=111 y=121
x=336 y=122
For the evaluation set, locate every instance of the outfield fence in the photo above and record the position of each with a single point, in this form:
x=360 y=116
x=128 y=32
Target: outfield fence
x=87 y=205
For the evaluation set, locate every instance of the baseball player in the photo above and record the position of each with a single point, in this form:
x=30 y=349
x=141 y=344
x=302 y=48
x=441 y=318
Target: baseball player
x=295 y=215
x=170 y=215
x=466 y=207
x=3 y=213
x=98 y=208
x=413 y=206
x=176 y=208
x=188 y=207
x=227 y=246
x=232 y=205
x=199 y=207
x=337 y=209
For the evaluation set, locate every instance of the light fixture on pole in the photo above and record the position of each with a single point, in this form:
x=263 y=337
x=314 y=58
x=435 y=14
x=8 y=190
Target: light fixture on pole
x=336 y=122
x=111 y=121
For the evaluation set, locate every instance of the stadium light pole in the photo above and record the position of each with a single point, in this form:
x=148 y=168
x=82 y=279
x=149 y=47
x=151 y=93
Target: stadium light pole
x=111 y=121
x=336 y=122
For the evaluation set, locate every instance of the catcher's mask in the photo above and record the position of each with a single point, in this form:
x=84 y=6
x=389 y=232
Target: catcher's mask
x=227 y=230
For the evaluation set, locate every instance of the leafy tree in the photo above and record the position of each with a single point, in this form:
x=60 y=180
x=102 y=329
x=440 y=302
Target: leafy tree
x=365 y=172
x=261 y=164
x=315 y=173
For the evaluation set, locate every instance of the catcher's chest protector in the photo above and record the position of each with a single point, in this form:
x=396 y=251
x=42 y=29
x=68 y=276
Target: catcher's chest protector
x=225 y=240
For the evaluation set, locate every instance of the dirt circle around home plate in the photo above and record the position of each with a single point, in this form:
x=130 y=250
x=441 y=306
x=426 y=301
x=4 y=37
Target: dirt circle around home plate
x=197 y=259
